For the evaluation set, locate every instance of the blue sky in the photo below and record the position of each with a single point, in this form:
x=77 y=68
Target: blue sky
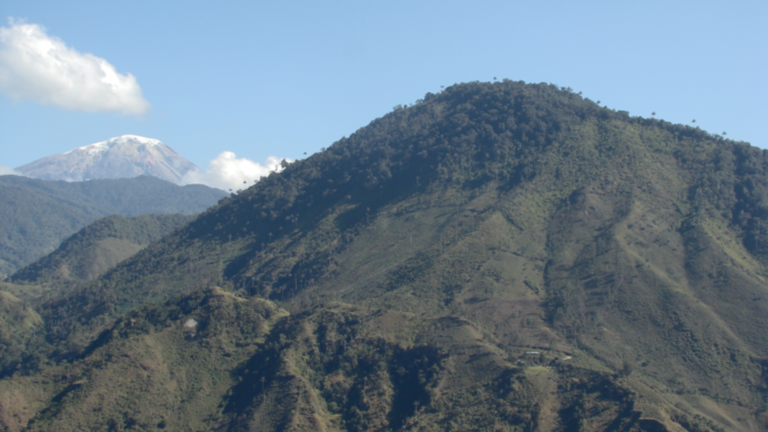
x=279 y=79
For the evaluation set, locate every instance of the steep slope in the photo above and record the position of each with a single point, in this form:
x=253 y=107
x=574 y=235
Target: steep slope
x=21 y=333
x=93 y=250
x=36 y=215
x=499 y=256
x=126 y=156
x=138 y=360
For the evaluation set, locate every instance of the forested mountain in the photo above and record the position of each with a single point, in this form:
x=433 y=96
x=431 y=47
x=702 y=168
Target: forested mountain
x=36 y=215
x=498 y=256
x=98 y=247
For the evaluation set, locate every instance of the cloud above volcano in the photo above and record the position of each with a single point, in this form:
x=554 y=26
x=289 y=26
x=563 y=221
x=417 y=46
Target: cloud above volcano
x=42 y=68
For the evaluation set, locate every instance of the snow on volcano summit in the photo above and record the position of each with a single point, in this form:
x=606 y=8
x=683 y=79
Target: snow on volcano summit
x=125 y=156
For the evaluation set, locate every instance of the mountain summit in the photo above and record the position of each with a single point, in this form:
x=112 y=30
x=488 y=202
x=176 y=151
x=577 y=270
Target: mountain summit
x=125 y=156
x=502 y=256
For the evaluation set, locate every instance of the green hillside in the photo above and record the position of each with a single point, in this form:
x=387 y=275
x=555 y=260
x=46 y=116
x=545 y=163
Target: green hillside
x=495 y=257
x=36 y=215
x=93 y=250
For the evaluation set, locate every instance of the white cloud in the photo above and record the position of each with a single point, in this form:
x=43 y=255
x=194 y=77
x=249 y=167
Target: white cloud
x=36 y=66
x=4 y=170
x=228 y=172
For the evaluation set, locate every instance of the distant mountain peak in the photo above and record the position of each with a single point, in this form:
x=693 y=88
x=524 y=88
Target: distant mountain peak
x=103 y=146
x=125 y=156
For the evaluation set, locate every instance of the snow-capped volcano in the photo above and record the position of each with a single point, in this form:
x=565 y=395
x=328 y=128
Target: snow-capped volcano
x=125 y=156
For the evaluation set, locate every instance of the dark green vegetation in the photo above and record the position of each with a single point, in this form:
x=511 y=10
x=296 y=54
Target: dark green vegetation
x=84 y=256
x=36 y=215
x=496 y=257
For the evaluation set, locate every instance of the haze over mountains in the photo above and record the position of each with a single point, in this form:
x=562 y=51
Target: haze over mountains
x=498 y=256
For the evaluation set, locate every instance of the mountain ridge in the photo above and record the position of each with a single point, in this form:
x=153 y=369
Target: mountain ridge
x=498 y=256
x=37 y=214
x=98 y=247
